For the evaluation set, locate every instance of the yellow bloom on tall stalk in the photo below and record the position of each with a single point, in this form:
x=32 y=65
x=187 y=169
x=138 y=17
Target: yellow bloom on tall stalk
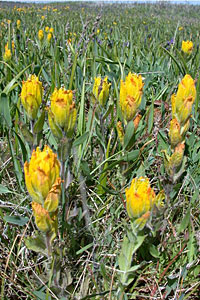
x=47 y=29
x=101 y=90
x=140 y=200
x=42 y=176
x=62 y=113
x=49 y=37
x=40 y=35
x=173 y=162
x=130 y=95
x=182 y=102
x=7 y=47
x=18 y=24
x=51 y=30
x=7 y=55
x=44 y=186
x=176 y=132
x=140 y=197
x=187 y=46
x=31 y=95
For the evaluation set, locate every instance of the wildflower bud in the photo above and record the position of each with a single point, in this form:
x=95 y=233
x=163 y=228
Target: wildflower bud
x=51 y=30
x=130 y=95
x=7 y=55
x=42 y=217
x=47 y=29
x=49 y=36
x=177 y=156
x=40 y=35
x=120 y=132
x=187 y=46
x=182 y=102
x=31 y=95
x=175 y=132
x=62 y=112
x=101 y=90
x=140 y=198
x=173 y=162
x=18 y=24
x=42 y=176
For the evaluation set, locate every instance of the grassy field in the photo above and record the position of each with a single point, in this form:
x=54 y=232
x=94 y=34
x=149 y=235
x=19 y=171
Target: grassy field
x=115 y=213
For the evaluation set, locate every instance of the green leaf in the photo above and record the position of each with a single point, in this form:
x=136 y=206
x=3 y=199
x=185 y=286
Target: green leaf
x=84 y=248
x=10 y=85
x=4 y=189
x=40 y=295
x=16 y=220
x=151 y=118
x=129 y=156
x=125 y=258
x=130 y=129
x=40 y=123
x=5 y=109
x=36 y=244
x=185 y=222
x=28 y=136
x=81 y=139
x=154 y=251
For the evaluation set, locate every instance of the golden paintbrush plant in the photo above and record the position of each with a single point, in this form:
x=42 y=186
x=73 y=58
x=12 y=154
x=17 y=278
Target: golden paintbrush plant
x=140 y=200
x=44 y=186
x=101 y=90
x=131 y=91
x=62 y=112
x=187 y=46
x=182 y=101
x=31 y=95
x=41 y=35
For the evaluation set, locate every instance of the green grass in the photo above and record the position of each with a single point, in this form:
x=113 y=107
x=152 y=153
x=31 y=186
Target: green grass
x=87 y=249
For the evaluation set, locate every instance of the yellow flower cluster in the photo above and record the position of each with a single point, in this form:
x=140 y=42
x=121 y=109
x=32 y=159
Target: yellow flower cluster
x=181 y=112
x=130 y=95
x=187 y=46
x=44 y=186
x=8 y=53
x=101 y=90
x=31 y=95
x=18 y=24
x=62 y=112
x=140 y=200
x=41 y=35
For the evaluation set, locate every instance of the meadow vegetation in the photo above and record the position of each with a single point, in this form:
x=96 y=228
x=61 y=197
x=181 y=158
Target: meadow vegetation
x=99 y=151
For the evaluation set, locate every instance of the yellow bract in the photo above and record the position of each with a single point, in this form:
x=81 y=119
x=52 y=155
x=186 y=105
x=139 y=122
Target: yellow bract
x=42 y=217
x=187 y=46
x=101 y=90
x=44 y=186
x=7 y=55
x=42 y=174
x=130 y=95
x=62 y=112
x=18 y=24
x=31 y=95
x=40 y=35
x=49 y=36
x=140 y=197
x=182 y=102
x=173 y=162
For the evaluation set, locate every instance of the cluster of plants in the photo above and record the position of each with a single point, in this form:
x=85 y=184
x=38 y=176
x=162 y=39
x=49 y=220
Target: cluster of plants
x=100 y=151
